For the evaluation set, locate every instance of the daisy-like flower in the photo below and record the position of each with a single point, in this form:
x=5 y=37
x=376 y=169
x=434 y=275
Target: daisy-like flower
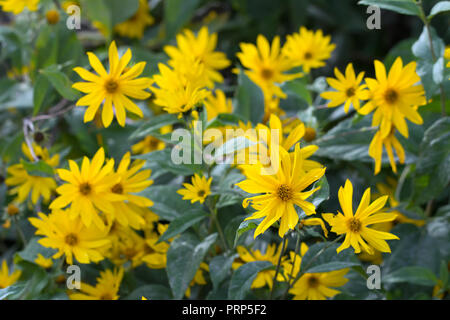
x=267 y=66
x=26 y=184
x=88 y=190
x=131 y=180
x=394 y=97
x=106 y=288
x=43 y=261
x=198 y=49
x=7 y=279
x=280 y=192
x=71 y=237
x=217 y=103
x=178 y=92
x=197 y=190
x=308 y=49
x=126 y=246
x=150 y=143
x=389 y=142
x=271 y=254
x=17 y=6
x=112 y=89
x=348 y=89
x=356 y=226
x=134 y=26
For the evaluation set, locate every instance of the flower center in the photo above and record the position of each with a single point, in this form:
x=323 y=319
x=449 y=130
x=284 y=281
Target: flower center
x=71 y=239
x=12 y=210
x=106 y=296
x=284 y=192
x=153 y=144
x=266 y=73
x=390 y=96
x=313 y=282
x=308 y=55
x=350 y=92
x=118 y=188
x=201 y=193
x=111 y=86
x=354 y=225
x=85 y=188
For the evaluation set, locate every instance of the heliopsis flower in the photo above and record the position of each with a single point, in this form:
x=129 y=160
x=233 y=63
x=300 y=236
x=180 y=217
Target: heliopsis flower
x=271 y=254
x=308 y=49
x=267 y=66
x=280 y=191
x=150 y=143
x=355 y=226
x=349 y=89
x=197 y=190
x=319 y=286
x=127 y=246
x=389 y=142
x=177 y=92
x=134 y=26
x=7 y=279
x=217 y=104
x=156 y=252
x=112 y=89
x=131 y=180
x=395 y=97
x=106 y=288
x=199 y=278
x=43 y=261
x=198 y=49
x=71 y=237
x=17 y=6
x=88 y=190
x=27 y=184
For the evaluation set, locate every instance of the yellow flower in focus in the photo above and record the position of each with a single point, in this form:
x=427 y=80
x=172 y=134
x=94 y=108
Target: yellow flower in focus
x=217 y=104
x=112 y=89
x=70 y=237
x=197 y=190
x=264 y=277
x=308 y=49
x=280 y=191
x=43 y=261
x=134 y=26
x=355 y=226
x=394 y=97
x=88 y=190
x=150 y=143
x=349 y=89
x=27 y=184
x=106 y=288
x=7 y=279
x=17 y=6
x=389 y=142
x=199 y=278
x=198 y=49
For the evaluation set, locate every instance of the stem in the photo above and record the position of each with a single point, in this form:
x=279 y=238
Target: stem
x=218 y=227
x=291 y=275
x=20 y=232
x=278 y=267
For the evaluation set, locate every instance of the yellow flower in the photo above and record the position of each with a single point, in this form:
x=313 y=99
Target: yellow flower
x=197 y=190
x=156 y=253
x=319 y=286
x=447 y=56
x=280 y=192
x=127 y=246
x=266 y=276
x=149 y=143
x=308 y=49
x=389 y=142
x=217 y=104
x=177 y=92
x=17 y=6
x=198 y=49
x=43 y=261
x=106 y=288
x=395 y=97
x=132 y=180
x=112 y=89
x=355 y=227
x=199 y=278
x=70 y=237
x=134 y=26
x=88 y=190
x=349 y=89
x=7 y=279
x=267 y=65
x=27 y=184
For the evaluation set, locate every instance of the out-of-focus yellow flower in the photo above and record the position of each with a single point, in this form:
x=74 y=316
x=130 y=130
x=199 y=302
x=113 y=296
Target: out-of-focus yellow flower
x=106 y=288
x=199 y=278
x=43 y=261
x=150 y=143
x=17 y=6
x=217 y=104
x=134 y=26
x=7 y=279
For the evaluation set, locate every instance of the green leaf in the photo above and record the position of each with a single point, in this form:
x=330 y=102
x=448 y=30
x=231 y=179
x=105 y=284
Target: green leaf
x=250 y=99
x=12 y=292
x=33 y=248
x=98 y=11
x=163 y=159
x=153 y=125
x=219 y=268
x=224 y=119
x=177 y=13
x=438 y=71
x=182 y=223
x=322 y=194
x=183 y=260
x=407 y=7
x=151 y=292
x=298 y=95
x=242 y=278
x=322 y=257
x=440 y=7
x=245 y=226
x=41 y=87
x=413 y=274
x=121 y=12
x=231 y=146
x=60 y=82
x=39 y=168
